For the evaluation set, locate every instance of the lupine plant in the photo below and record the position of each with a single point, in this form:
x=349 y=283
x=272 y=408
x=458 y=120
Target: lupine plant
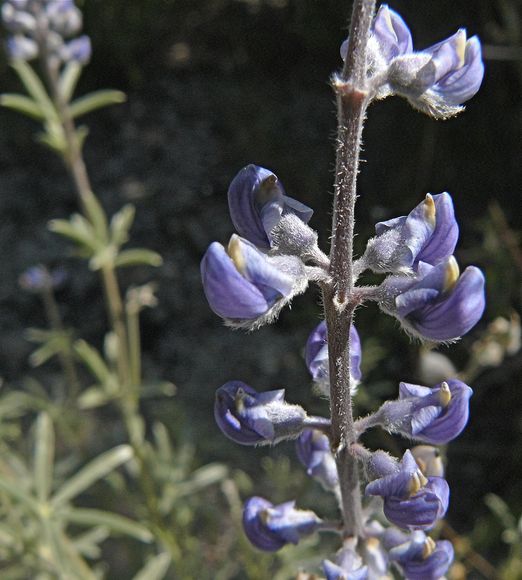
x=388 y=505
x=45 y=531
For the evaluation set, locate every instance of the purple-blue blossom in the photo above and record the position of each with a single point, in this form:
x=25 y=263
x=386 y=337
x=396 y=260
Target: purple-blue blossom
x=434 y=415
x=411 y=501
x=437 y=303
x=245 y=286
x=313 y=451
x=40 y=27
x=347 y=566
x=251 y=418
x=269 y=527
x=418 y=556
x=428 y=234
x=316 y=354
x=436 y=80
x=257 y=200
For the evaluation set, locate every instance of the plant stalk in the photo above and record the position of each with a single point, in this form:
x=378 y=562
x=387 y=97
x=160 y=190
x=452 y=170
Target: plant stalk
x=340 y=300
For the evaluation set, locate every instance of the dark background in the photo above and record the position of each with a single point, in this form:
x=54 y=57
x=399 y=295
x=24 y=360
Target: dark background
x=212 y=86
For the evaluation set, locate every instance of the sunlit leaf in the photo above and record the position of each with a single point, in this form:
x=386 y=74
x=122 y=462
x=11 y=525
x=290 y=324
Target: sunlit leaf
x=115 y=522
x=43 y=457
x=22 y=104
x=121 y=223
x=138 y=257
x=92 y=472
x=69 y=79
x=155 y=568
x=77 y=229
x=13 y=489
x=92 y=359
x=96 y=100
x=35 y=88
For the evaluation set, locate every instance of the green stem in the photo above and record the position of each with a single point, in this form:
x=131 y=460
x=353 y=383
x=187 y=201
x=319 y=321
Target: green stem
x=65 y=355
x=129 y=403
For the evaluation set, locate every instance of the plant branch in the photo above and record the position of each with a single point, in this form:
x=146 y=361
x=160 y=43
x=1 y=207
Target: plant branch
x=339 y=301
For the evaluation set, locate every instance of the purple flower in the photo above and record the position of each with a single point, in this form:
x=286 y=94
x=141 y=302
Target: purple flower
x=428 y=234
x=246 y=287
x=436 y=80
x=347 y=566
x=390 y=37
x=78 y=49
x=437 y=304
x=257 y=200
x=411 y=500
x=316 y=354
x=313 y=451
x=436 y=415
x=39 y=278
x=251 y=418
x=270 y=527
x=419 y=557
x=40 y=27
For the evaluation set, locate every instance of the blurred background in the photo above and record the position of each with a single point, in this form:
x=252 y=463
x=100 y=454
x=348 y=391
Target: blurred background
x=214 y=85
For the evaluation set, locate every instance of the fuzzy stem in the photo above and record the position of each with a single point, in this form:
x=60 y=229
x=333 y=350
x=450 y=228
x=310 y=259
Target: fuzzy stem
x=339 y=301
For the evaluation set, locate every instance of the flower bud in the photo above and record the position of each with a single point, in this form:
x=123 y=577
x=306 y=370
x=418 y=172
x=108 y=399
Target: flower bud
x=420 y=557
x=436 y=415
x=436 y=304
x=428 y=234
x=348 y=565
x=411 y=500
x=251 y=418
x=316 y=354
x=257 y=200
x=270 y=527
x=436 y=80
x=313 y=451
x=246 y=287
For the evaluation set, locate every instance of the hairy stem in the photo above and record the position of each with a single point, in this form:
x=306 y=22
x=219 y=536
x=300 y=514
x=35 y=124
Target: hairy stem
x=339 y=299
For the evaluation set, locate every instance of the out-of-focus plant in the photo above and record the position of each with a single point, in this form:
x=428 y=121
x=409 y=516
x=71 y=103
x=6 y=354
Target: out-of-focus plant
x=40 y=528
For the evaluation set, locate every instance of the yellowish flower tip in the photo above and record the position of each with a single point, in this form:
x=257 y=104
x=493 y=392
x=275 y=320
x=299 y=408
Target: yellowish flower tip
x=430 y=211
x=429 y=548
x=234 y=251
x=372 y=543
x=444 y=394
x=266 y=189
x=417 y=482
x=240 y=400
x=451 y=275
x=461 y=46
x=264 y=515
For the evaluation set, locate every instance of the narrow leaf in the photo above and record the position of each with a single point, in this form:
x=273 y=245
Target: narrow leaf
x=43 y=457
x=92 y=359
x=23 y=105
x=115 y=522
x=13 y=489
x=96 y=100
x=97 y=216
x=69 y=79
x=121 y=223
x=92 y=398
x=155 y=568
x=138 y=257
x=35 y=88
x=92 y=472
x=72 y=230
